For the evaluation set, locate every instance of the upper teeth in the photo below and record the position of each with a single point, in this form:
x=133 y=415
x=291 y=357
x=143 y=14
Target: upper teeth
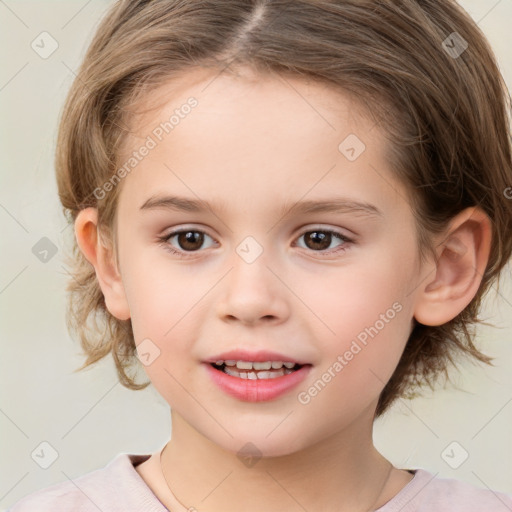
x=249 y=365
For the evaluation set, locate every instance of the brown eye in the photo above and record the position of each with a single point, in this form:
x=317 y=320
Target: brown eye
x=190 y=240
x=319 y=240
x=187 y=241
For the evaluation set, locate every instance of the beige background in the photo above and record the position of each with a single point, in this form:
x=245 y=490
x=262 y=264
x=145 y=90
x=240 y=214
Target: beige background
x=89 y=417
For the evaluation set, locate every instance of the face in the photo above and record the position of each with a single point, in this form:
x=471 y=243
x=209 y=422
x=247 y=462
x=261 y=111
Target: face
x=327 y=287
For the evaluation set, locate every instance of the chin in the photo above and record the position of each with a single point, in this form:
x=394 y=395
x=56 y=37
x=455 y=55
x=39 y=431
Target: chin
x=250 y=447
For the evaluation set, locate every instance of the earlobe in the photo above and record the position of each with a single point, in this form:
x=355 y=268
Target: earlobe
x=109 y=278
x=462 y=255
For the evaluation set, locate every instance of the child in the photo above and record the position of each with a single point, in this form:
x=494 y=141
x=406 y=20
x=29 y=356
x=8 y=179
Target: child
x=257 y=130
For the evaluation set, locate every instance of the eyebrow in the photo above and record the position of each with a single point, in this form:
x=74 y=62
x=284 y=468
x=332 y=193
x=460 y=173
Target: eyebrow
x=328 y=205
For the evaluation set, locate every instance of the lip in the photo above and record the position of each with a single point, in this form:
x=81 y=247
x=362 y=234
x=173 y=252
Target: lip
x=258 y=390
x=259 y=356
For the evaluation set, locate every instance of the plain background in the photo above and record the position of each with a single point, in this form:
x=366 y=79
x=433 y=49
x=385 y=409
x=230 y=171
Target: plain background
x=88 y=417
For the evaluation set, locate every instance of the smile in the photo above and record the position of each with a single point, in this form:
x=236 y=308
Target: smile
x=256 y=370
x=256 y=381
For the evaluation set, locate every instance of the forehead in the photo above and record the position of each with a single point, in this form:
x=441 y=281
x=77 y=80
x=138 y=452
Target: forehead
x=251 y=136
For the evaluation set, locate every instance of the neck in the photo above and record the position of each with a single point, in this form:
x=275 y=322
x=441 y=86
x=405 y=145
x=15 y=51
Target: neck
x=343 y=472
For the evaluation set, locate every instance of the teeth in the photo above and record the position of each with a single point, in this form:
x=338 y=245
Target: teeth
x=244 y=365
x=262 y=366
x=257 y=375
x=249 y=365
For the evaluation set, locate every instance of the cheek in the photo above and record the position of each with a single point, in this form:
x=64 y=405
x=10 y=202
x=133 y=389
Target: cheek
x=365 y=320
x=160 y=292
x=347 y=300
x=161 y=329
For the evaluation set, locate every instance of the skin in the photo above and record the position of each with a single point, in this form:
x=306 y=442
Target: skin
x=258 y=144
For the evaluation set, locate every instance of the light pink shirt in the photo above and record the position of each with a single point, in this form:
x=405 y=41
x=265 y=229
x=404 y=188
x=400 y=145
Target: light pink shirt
x=119 y=488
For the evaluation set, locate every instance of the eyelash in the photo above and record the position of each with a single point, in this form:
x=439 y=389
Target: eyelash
x=164 y=241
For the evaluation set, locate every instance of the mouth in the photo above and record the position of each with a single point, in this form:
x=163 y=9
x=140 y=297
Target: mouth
x=257 y=381
x=262 y=370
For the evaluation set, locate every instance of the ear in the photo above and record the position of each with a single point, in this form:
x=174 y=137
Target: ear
x=109 y=278
x=462 y=259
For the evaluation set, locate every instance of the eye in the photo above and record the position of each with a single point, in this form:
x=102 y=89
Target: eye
x=190 y=240
x=319 y=240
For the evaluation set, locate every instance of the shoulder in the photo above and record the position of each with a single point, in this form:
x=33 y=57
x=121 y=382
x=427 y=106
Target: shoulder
x=117 y=486
x=457 y=495
x=427 y=492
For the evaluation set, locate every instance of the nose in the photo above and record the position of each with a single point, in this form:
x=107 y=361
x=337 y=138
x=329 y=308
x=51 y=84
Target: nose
x=253 y=293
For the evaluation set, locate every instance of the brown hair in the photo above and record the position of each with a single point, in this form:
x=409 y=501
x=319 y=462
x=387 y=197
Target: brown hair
x=443 y=107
